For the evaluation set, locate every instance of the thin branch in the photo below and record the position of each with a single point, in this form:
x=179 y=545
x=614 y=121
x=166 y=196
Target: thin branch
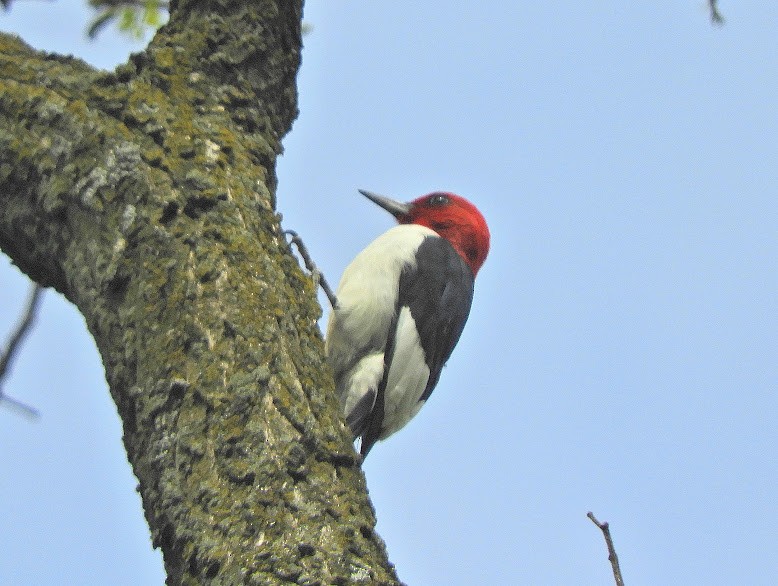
x=614 y=559
x=316 y=275
x=715 y=16
x=6 y=4
x=22 y=408
x=11 y=349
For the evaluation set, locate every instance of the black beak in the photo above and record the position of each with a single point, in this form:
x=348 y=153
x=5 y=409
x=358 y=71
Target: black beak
x=396 y=208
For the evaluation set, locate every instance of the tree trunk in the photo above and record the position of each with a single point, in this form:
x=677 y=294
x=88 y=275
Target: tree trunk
x=146 y=196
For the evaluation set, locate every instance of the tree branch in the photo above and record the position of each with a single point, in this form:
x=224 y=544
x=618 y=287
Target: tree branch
x=715 y=16
x=612 y=557
x=14 y=343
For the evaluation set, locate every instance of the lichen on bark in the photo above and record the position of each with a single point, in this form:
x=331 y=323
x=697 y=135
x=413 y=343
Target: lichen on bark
x=146 y=196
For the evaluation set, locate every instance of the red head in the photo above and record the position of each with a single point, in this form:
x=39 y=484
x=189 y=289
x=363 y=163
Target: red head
x=451 y=216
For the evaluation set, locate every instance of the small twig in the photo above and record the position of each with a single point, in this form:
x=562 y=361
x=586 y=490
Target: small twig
x=23 y=408
x=715 y=16
x=614 y=559
x=14 y=343
x=5 y=4
x=316 y=275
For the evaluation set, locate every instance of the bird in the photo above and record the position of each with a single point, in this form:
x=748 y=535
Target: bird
x=400 y=309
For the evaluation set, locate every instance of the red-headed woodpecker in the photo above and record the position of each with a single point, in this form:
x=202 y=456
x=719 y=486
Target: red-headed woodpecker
x=401 y=306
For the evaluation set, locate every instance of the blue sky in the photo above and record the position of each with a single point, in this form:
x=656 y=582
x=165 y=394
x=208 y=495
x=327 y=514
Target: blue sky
x=622 y=352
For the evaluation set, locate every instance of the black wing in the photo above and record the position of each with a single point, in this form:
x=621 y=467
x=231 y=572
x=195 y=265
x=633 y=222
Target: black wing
x=438 y=291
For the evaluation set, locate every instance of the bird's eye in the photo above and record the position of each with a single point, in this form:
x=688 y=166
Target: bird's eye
x=438 y=199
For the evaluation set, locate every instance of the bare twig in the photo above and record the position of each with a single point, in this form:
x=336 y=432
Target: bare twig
x=14 y=343
x=316 y=275
x=715 y=15
x=19 y=406
x=5 y=4
x=614 y=559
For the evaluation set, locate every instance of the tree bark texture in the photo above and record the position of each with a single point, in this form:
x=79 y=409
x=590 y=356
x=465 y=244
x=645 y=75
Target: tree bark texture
x=146 y=196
